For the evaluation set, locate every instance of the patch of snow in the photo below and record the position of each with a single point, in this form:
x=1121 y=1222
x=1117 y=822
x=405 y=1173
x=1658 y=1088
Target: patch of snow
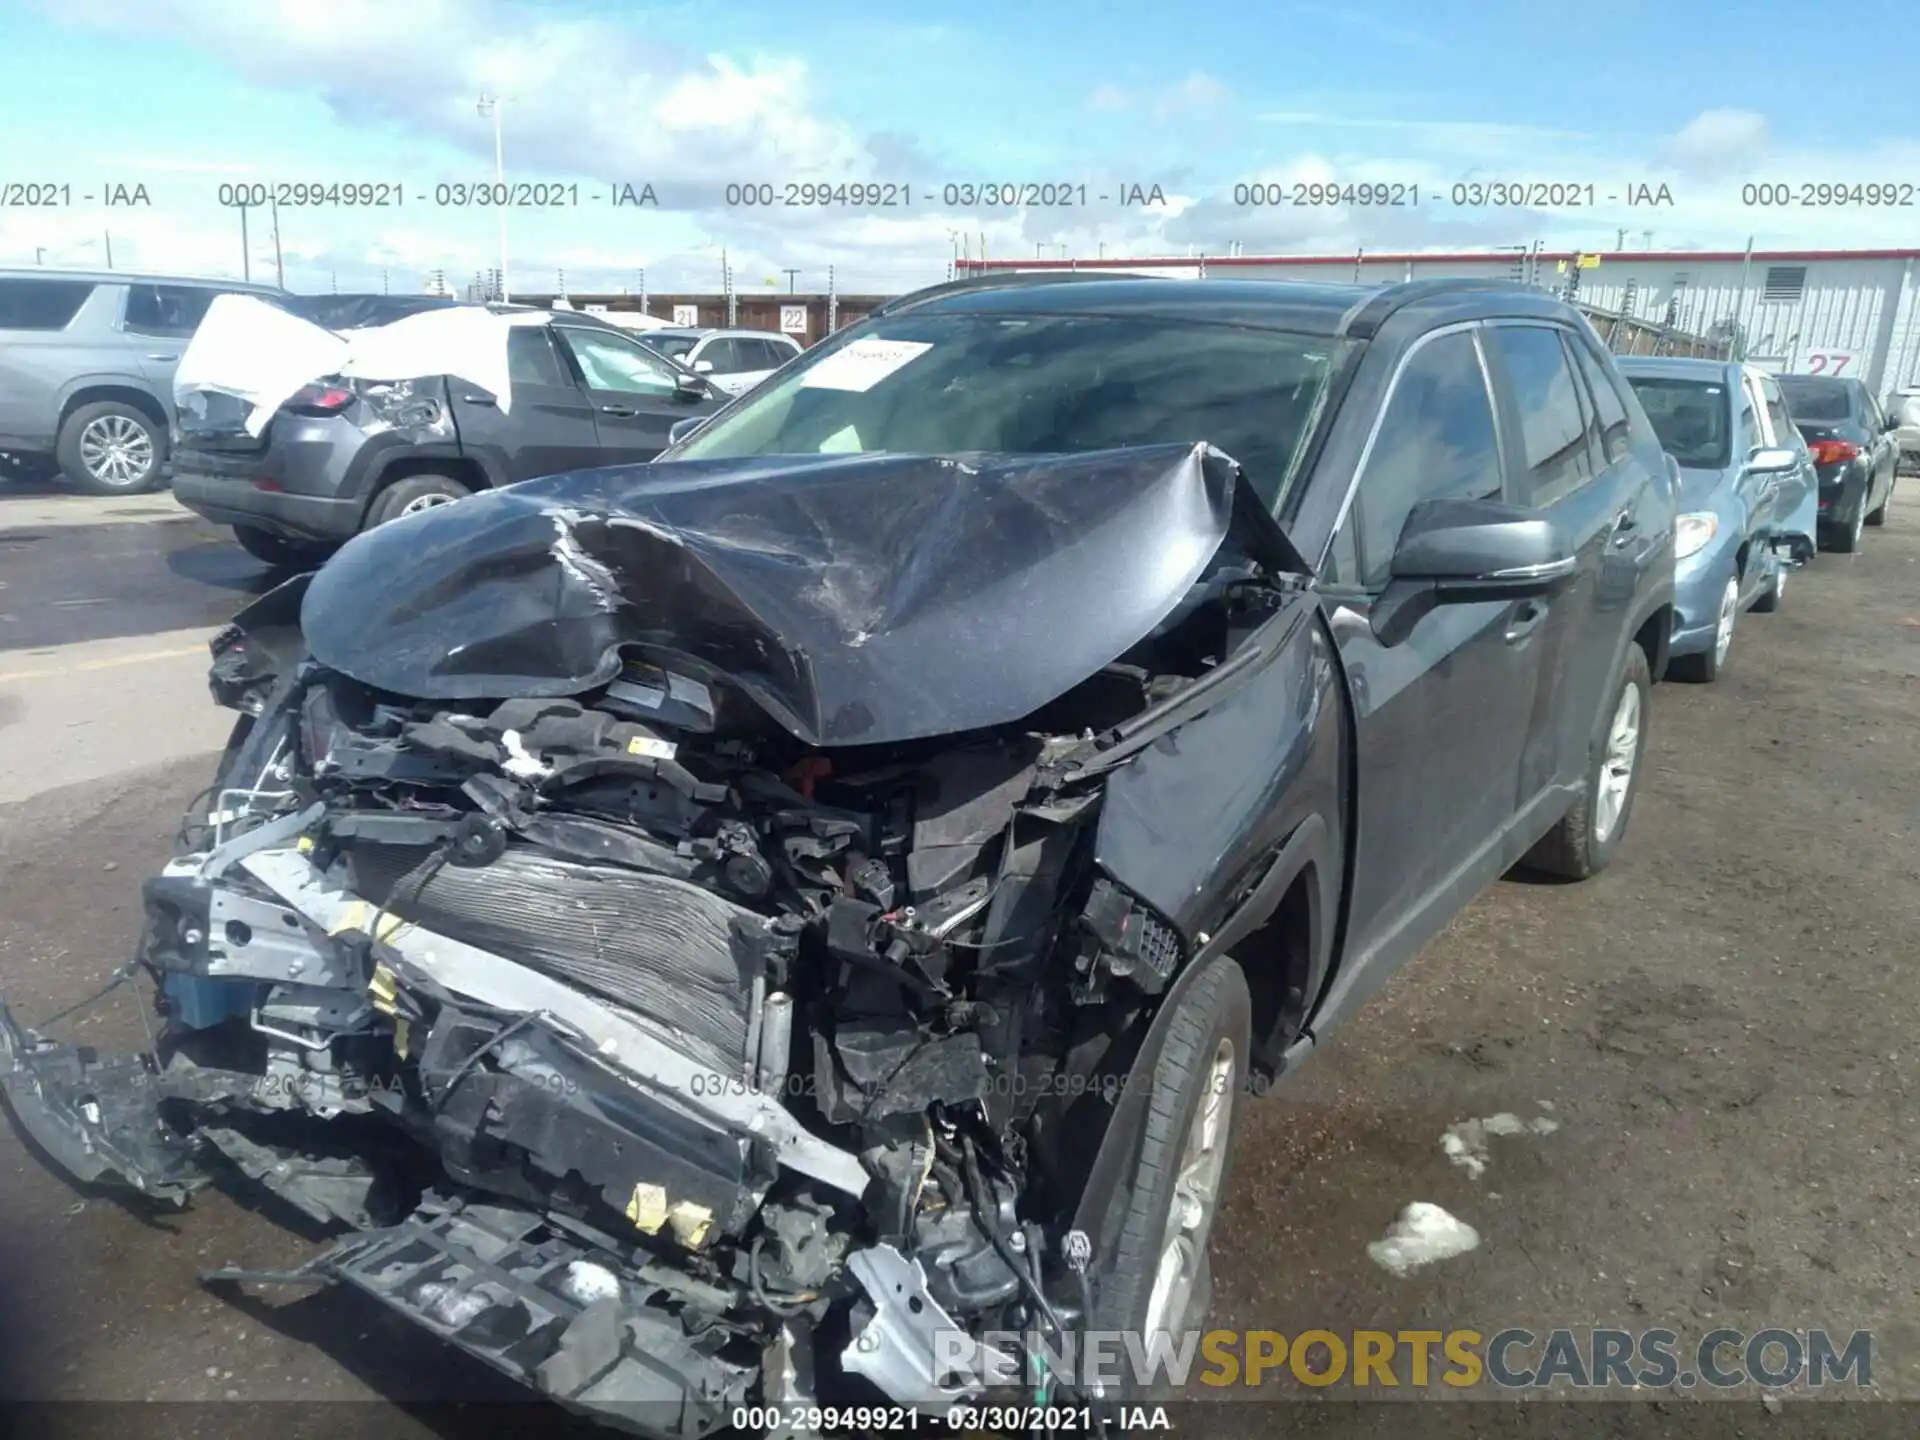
x=587 y=1282
x=1465 y=1144
x=1423 y=1235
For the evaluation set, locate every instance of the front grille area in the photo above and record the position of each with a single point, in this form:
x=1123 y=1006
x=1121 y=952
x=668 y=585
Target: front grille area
x=657 y=946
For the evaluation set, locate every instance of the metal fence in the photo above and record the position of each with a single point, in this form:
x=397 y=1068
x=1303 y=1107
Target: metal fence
x=1624 y=335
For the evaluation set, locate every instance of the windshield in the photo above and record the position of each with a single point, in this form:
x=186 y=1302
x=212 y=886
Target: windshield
x=674 y=347
x=1041 y=384
x=1689 y=416
x=1811 y=399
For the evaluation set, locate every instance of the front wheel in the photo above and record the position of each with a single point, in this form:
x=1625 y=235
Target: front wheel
x=1776 y=593
x=1584 y=841
x=1158 y=1278
x=1705 y=668
x=1879 y=516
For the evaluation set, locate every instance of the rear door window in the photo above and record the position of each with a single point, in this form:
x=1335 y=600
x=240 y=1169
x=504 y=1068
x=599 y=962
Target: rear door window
x=725 y=356
x=171 y=310
x=612 y=362
x=41 y=304
x=530 y=358
x=1436 y=441
x=1555 y=456
x=1616 y=433
x=1778 y=419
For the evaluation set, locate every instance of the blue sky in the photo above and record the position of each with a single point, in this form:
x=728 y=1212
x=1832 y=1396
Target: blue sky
x=1702 y=97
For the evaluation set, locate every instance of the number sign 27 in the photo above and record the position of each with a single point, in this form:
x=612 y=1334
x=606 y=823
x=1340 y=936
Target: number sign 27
x=1829 y=362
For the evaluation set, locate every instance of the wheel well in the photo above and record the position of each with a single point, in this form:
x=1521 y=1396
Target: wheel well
x=1655 y=637
x=1277 y=960
x=454 y=467
x=126 y=395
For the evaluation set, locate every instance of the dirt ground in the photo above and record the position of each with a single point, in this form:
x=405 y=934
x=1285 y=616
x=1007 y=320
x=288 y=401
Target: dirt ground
x=1724 y=1025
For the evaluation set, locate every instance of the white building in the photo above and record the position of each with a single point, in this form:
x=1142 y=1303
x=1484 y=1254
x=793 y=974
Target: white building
x=1849 y=312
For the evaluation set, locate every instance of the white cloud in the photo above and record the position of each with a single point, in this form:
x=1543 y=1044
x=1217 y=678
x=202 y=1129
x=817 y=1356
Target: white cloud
x=1719 y=142
x=1109 y=97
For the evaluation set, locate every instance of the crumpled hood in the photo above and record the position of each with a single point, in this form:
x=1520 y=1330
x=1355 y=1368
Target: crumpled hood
x=858 y=599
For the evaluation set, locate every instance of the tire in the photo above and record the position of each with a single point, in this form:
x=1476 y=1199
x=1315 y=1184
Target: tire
x=1775 y=594
x=413 y=494
x=1879 y=517
x=280 y=553
x=102 y=447
x=1705 y=668
x=1847 y=540
x=1579 y=846
x=1214 y=1012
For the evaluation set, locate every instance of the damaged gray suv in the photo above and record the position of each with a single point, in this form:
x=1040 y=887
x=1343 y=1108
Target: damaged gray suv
x=752 y=926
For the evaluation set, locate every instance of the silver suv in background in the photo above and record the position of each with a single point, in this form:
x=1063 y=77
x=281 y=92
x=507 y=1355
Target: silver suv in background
x=86 y=369
x=733 y=360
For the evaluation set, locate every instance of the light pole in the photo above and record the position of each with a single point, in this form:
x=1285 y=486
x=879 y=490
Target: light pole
x=490 y=105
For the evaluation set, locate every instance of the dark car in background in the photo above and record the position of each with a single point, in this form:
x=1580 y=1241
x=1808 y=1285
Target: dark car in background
x=1854 y=452
x=86 y=369
x=331 y=462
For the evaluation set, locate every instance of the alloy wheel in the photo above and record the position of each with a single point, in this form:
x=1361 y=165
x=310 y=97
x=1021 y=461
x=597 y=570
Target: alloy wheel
x=425 y=502
x=1616 y=767
x=1196 y=1195
x=117 y=451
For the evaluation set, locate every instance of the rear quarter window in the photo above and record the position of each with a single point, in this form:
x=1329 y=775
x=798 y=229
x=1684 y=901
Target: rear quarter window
x=41 y=304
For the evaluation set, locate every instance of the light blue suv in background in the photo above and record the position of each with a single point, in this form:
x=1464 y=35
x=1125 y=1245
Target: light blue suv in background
x=86 y=369
x=1749 y=497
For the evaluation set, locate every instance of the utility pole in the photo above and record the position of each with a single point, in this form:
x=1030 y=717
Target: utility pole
x=791 y=275
x=833 y=303
x=384 y=290
x=279 y=265
x=1620 y=240
x=39 y=254
x=107 y=235
x=643 y=290
x=246 y=250
x=490 y=105
x=334 y=276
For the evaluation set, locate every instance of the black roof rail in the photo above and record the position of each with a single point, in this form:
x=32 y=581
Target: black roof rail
x=999 y=279
x=1365 y=319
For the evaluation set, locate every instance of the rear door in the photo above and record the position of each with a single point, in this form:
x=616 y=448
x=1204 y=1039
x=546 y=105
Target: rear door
x=1567 y=427
x=738 y=363
x=1885 y=450
x=635 y=394
x=159 y=321
x=549 y=427
x=56 y=337
x=1796 y=495
x=1441 y=719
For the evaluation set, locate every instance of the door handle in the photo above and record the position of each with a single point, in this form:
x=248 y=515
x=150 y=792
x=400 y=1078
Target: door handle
x=1525 y=620
x=1623 y=527
x=163 y=357
x=618 y=410
x=479 y=400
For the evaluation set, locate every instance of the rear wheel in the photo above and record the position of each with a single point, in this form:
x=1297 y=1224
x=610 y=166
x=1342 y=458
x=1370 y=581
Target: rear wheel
x=1846 y=538
x=111 y=448
x=1158 y=1278
x=1583 y=842
x=279 y=552
x=414 y=494
x=1879 y=516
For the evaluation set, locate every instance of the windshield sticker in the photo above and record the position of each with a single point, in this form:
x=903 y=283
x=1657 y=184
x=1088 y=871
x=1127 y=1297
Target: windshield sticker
x=863 y=364
x=844 y=441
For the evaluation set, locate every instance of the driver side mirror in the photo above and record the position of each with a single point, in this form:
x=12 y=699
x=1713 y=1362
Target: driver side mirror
x=681 y=429
x=1458 y=552
x=703 y=367
x=1772 y=460
x=690 y=386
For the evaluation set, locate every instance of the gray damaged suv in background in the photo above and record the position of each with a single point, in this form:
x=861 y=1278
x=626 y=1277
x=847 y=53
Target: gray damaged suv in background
x=86 y=369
